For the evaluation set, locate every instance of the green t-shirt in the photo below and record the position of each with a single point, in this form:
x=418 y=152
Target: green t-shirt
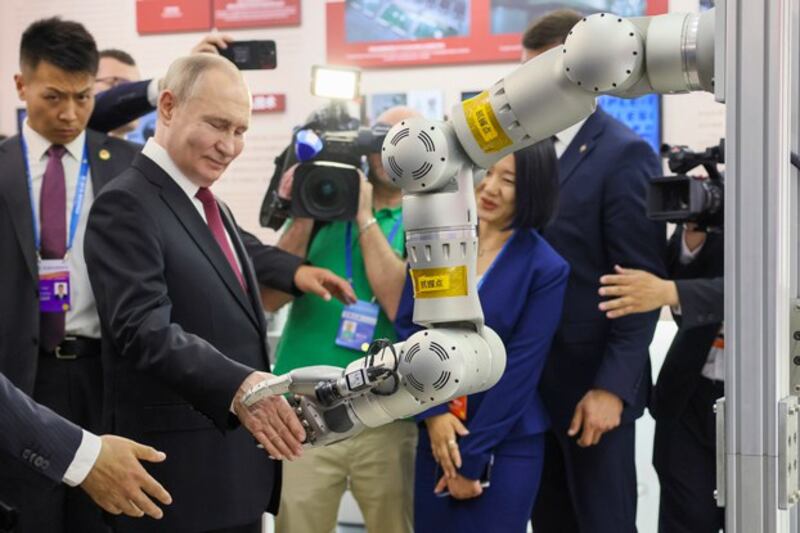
x=310 y=333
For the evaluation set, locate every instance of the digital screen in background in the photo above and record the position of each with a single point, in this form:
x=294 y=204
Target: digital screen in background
x=642 y=115
x=513 y=16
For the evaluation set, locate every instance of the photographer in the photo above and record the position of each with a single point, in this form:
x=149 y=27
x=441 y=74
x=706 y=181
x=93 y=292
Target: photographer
x=692 y=376
x=378 y=464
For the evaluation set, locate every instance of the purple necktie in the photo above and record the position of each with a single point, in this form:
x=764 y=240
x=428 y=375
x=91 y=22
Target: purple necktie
x=53 y=220
x=214 y=221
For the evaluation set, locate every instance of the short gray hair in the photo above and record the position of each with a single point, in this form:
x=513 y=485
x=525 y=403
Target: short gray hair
x=185 y=72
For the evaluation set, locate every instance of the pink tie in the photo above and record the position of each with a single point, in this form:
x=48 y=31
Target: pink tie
x=214 y=221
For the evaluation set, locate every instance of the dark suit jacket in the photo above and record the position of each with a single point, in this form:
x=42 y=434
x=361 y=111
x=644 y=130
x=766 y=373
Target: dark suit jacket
x=19 y=305
x=602 y=222
x=119 y=105
x=521 y=296
x=182 y=336
x=43 y=441
x=128 y=101
x=701 y=294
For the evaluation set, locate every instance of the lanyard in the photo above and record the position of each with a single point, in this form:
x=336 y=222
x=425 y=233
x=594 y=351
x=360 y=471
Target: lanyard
x=77 y=202
x=348 y=246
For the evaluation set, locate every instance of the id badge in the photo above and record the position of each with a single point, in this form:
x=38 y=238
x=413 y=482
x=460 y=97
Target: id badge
x=54 y=286
x=357 y=327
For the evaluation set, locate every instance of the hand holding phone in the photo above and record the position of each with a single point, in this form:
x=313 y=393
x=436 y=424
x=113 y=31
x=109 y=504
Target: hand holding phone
x=251 y=55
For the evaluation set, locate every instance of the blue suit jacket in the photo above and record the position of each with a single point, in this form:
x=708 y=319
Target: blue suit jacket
x=521 y=296
x=34 y=434
x=602 y=222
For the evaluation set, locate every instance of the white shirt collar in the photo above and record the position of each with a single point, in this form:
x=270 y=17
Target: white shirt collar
x=566 y=136
x=38 y=145
x=160 y=157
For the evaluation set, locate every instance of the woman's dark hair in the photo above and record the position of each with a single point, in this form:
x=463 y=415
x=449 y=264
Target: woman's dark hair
x=62 y=43
x=536 y=197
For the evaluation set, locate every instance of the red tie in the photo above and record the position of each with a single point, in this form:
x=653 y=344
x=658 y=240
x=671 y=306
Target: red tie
x=214 y=221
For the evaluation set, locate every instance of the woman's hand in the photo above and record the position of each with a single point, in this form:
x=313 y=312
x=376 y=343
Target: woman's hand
x=459 y=487
x=442 y=430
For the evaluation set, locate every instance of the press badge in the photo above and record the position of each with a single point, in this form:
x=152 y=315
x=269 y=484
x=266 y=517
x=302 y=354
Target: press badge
x=54 y=287
x=357 y=327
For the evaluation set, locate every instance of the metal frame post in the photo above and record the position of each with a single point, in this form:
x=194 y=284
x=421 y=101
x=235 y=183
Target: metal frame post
x=760 y=212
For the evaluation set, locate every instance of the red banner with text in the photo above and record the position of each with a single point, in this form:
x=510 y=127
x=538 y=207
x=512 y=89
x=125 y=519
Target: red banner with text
x=173 y=16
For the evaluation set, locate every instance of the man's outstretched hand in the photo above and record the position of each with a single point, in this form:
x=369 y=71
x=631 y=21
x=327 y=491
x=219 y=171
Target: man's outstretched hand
x=271 y=421
x=324 y=284
x=119 y=483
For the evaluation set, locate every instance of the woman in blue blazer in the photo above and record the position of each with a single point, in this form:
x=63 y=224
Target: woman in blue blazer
x=479 y=459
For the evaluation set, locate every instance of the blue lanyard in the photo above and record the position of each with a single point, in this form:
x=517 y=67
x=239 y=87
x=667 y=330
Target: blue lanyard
x=77 y=202
x=348 y=246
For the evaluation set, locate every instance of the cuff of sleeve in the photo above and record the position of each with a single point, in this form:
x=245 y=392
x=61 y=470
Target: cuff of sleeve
x=152 y=92
x=84 y=459
x=627 y=397
x=433 y=411
x=294 y=291
x=474 y=465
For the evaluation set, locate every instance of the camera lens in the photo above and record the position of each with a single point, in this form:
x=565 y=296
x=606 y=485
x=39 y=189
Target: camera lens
x=323 y=193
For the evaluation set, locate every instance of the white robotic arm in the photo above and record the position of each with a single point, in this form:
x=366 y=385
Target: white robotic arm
x=434 y=162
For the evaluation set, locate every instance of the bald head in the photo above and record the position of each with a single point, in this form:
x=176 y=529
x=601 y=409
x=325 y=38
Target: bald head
x=203 y=113
x=377 y=175
x=396 y=114
x=186 y=74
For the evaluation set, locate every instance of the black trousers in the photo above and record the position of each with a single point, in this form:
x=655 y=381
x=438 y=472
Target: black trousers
x=685 y=462
x=72 y=389
x=255 y=527
x=588 y=490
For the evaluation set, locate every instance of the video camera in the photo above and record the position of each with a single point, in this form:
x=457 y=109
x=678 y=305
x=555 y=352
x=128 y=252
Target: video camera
x=682 y=198
x=329 y=151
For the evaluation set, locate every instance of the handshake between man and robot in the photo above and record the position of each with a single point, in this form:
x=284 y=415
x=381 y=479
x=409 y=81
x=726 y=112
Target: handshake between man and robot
x=435 y=163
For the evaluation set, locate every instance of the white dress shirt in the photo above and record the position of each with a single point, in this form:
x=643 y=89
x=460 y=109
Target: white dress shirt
x=82 y=318
x=85 y=458
x=160 y=157
x=565 y=137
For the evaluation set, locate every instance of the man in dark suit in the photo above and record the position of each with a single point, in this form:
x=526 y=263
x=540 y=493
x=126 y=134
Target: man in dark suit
x=181 y=312
x=597 y=379
x=52 y=447
x=691 y=379
x=48 y=178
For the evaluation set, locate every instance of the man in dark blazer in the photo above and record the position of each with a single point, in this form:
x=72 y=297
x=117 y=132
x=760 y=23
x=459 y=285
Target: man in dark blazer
x=691 y=379
x=597 y=379
x=56 y=450
x=53 y=356
x=181 y=312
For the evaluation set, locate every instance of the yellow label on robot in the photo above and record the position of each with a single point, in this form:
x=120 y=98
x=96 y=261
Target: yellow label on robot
x=487 y=131
x=440 y=282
